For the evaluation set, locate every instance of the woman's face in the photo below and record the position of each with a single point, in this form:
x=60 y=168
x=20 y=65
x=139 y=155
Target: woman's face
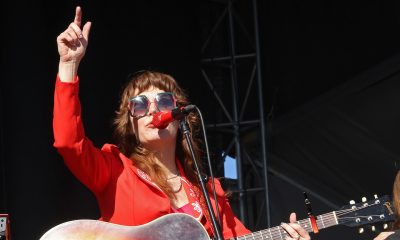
x=150 y=137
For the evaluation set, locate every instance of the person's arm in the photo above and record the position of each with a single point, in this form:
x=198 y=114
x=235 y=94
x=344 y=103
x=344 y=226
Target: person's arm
x=88 y=163
x=231 y=226
x=72 y=44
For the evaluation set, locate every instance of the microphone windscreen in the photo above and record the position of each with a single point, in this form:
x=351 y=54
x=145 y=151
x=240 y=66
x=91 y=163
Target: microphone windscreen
x=161 y=120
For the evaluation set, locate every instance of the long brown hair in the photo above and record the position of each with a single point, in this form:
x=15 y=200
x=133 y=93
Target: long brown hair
x=127 y=141
x=396 y=200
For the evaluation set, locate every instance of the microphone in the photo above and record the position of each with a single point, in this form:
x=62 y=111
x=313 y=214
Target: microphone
x=161 y=120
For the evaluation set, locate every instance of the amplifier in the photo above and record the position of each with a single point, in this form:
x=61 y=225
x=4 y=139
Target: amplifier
x=5 y=227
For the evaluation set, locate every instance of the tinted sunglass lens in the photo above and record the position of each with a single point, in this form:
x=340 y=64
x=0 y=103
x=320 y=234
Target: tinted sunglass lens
x=139 y=106
x=165 y=102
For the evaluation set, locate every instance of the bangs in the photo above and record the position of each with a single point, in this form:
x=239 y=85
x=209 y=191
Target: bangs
x=145 y=80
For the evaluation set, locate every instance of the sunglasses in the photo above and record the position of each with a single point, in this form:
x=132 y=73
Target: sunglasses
x=139 y=105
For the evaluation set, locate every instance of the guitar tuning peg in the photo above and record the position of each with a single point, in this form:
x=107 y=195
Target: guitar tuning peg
x=361 y=230
x=376 y=196
x=352 y=202
x=373 y=228
x=363 y=199
x=385 y=226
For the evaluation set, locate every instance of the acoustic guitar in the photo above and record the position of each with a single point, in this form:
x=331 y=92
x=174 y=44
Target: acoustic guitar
x=180 y=226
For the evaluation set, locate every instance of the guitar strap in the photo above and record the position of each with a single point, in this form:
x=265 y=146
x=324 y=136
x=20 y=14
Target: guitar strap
x=203 y=205
x=197 y=200
x=194 y=202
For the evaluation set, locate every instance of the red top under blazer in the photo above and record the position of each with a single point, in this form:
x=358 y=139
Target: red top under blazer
x=125 y=194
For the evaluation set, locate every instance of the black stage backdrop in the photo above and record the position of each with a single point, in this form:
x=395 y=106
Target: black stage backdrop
x=330 y=70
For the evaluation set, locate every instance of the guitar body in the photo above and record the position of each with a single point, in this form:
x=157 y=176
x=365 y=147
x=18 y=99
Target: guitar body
x=172 y=226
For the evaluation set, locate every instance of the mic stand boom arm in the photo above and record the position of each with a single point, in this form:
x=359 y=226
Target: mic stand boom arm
x=185 y=131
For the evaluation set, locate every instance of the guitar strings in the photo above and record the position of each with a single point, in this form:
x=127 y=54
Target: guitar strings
x=279 y=233
x=273 y=233
x=324 y=220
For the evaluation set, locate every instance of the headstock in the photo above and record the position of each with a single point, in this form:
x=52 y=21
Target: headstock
x=367 y=213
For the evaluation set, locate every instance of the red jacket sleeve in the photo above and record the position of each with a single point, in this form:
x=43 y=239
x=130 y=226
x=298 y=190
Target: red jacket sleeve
x=231 y=225
x=88 y=163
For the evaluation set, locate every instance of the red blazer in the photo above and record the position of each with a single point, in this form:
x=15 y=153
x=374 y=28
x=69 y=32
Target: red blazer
x=125 y=194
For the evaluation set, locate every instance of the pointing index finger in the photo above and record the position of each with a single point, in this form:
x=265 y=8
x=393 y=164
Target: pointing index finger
x=78 y=16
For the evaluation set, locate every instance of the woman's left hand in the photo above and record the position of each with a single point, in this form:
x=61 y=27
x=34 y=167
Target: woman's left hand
x=383 y=235
x=295 y=231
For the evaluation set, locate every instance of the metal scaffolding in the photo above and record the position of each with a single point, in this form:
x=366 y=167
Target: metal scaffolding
x=227 y=60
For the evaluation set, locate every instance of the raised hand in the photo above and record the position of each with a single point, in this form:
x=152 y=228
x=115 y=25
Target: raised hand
x=72 y=43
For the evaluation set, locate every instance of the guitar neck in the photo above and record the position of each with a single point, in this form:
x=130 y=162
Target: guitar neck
x=278 y=233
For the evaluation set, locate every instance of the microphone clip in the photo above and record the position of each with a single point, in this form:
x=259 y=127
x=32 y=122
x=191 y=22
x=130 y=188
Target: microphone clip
x=161 y=120
x=179 y=113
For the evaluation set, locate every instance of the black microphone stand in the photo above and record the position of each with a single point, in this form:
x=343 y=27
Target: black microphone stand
x=185 y=131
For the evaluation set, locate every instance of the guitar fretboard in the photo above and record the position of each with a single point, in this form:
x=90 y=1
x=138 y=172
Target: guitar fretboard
x=278 y=233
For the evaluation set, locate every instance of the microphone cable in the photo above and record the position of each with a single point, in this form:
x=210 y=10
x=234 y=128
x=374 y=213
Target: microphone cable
x=209 y=164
